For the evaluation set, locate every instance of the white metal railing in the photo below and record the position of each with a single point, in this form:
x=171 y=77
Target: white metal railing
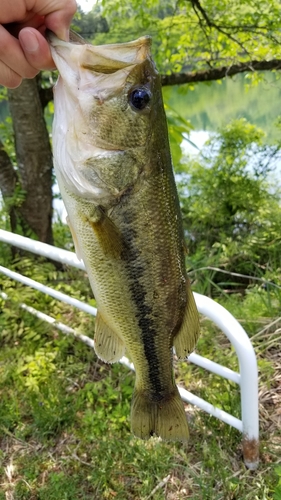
x=247 y=378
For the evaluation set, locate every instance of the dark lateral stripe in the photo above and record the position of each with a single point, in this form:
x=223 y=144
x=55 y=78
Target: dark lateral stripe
x=148 y=333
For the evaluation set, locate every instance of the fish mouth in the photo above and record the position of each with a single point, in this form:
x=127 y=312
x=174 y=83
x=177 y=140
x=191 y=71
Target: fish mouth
x=101 y=59
x=100 y=70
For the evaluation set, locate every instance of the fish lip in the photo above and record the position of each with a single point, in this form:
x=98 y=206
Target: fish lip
x=51 y=37
x=74 y=38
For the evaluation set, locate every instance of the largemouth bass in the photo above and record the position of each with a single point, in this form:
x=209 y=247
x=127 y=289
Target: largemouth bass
x=113 y=166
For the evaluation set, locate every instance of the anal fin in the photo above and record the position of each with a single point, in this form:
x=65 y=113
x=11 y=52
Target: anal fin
x=187 y=336
x=108 y=346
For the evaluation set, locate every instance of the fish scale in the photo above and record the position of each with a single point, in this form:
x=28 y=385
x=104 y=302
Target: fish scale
x=113 y=166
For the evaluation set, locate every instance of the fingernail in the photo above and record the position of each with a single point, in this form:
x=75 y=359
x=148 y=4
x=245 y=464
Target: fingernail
x=29 y=41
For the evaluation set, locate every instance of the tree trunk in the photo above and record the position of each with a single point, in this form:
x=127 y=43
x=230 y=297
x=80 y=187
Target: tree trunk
x=34 y=159
x=8 y=180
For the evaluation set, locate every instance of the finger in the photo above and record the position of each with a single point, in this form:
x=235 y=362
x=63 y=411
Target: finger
x=12 y=56
x=31 y=20
x=8 y=77
x=12 y=11
x=59 y=21
x=36 y=49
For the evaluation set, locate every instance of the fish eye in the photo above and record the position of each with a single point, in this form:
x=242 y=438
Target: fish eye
x=139 y=98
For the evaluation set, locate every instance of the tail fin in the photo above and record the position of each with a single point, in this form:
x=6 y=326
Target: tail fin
x=165 y=418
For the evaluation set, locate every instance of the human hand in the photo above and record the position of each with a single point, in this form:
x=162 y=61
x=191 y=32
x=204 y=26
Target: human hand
x=24 y=50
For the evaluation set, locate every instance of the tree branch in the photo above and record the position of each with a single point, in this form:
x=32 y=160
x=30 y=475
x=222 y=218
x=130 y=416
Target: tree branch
x=197 y=7
x=219 y=73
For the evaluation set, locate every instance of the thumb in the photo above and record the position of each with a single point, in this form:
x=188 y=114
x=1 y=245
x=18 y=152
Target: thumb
x=36 y=49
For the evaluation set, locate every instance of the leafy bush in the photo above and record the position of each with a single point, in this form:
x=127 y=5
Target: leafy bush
x=231 y=207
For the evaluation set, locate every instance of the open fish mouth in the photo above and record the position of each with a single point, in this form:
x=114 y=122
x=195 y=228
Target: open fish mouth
x=100 y=60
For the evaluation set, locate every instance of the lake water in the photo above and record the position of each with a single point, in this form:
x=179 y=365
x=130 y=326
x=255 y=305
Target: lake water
x=211 y=105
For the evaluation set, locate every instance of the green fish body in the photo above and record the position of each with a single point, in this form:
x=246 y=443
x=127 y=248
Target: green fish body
x=113 y=166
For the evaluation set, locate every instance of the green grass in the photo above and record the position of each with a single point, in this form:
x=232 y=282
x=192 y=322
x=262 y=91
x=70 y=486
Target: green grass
x=65 y=416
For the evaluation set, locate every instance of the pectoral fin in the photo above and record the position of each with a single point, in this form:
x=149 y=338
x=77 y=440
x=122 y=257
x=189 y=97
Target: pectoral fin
x=108 y=346
x=186 y=338
x=107 y=233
